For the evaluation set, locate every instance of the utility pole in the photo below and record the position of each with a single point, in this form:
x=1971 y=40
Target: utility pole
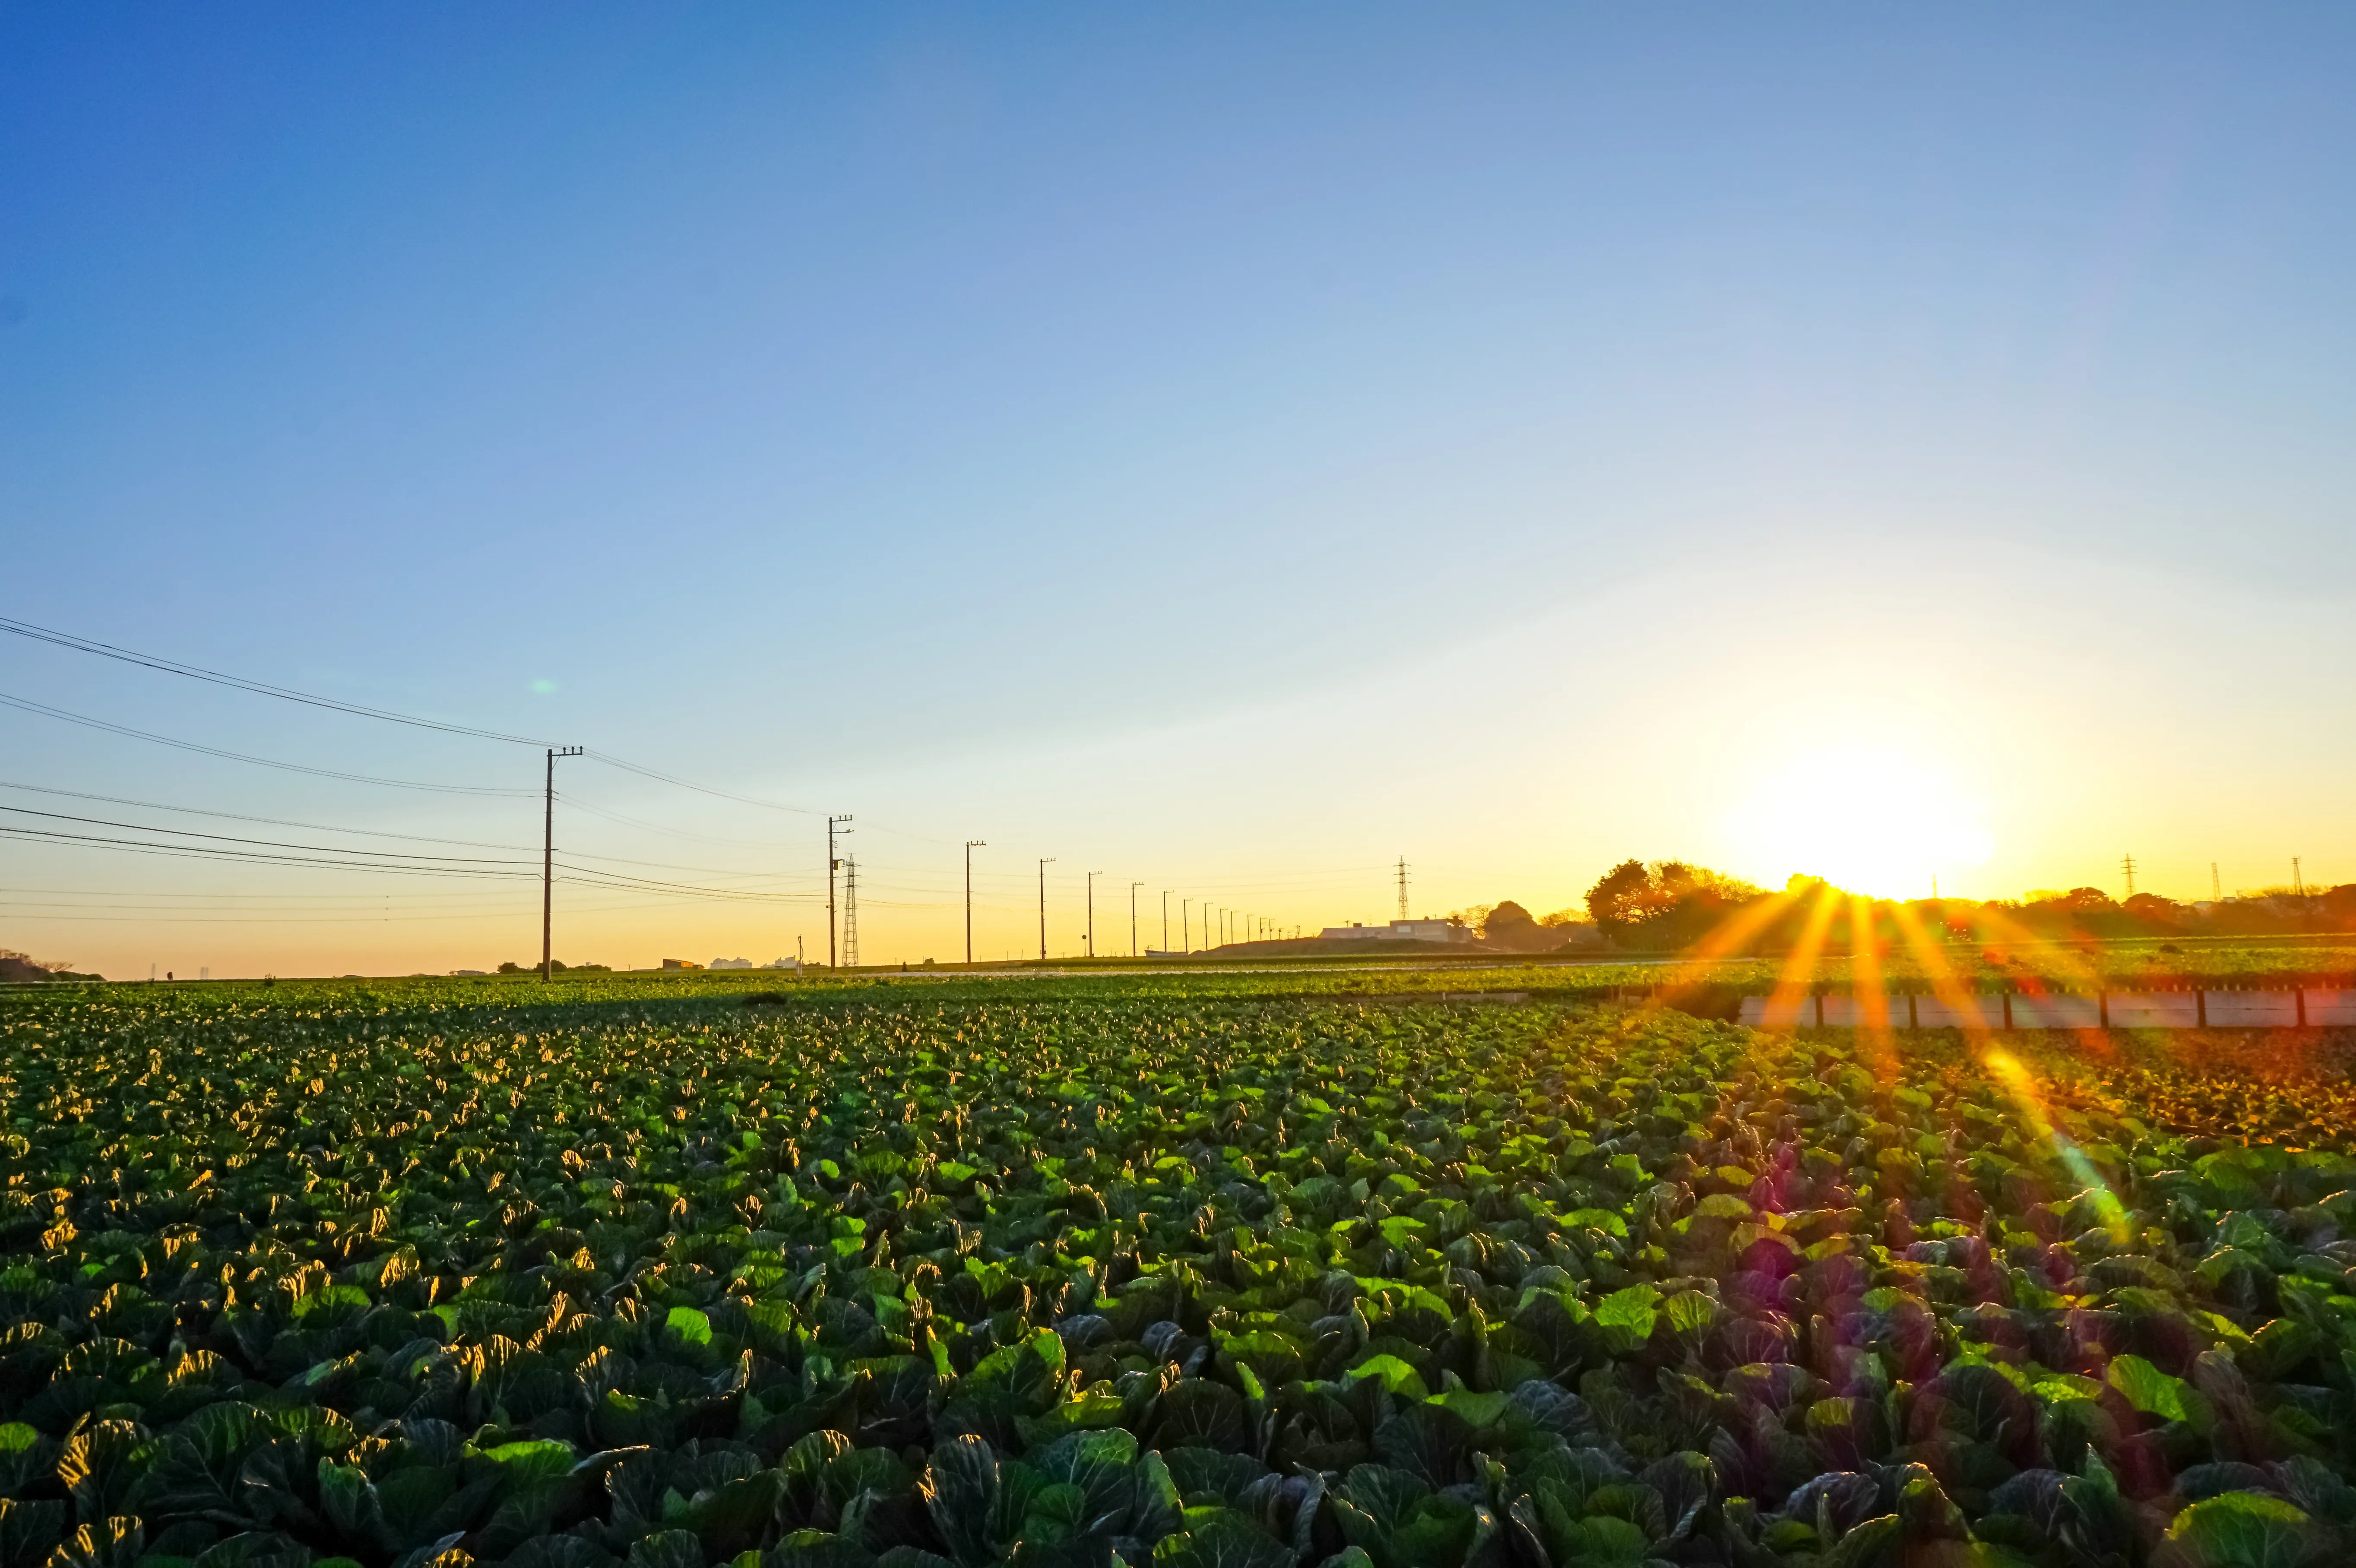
x=1186 y=924
x=833 y=864
x=1402 y=887
x=2298 y=878
x=1165 y=919
x=1092 y=911
x=547 y=867
x=2126 y=864
x=970 y=846
x=2216 y=885
x=1043 y=863
x=1133 y=917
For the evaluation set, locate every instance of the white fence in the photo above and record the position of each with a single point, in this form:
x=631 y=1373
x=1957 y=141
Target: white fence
x=2293 y=1007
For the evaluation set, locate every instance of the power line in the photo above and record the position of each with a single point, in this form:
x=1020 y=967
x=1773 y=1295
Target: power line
x=311 y=700
x=273 y=821
x=30 y=706
x=445 y=866
x=615 y=880
x=628 y=767
x=42 y=835
x=271 y=843
x=259 y=687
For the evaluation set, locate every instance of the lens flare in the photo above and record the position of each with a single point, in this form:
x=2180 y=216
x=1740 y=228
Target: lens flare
x=2021 y=1084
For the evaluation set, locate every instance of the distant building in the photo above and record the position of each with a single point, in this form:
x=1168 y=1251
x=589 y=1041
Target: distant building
x=1398 y=931
x=788 y=964
x=468 y=971
x=681 y=963
x=731 y=964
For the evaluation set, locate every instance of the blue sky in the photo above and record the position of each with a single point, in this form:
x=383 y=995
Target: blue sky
x=1227 y=447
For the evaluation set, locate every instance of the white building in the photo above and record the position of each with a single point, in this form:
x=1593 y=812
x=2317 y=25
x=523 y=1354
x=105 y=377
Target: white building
x=729 y=964
x=1398 y=931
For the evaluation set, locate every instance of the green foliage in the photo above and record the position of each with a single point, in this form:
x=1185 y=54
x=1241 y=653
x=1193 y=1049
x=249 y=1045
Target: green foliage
x=315 y=1277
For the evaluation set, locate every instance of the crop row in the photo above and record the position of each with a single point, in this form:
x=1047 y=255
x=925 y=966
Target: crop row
x=1214 y=1282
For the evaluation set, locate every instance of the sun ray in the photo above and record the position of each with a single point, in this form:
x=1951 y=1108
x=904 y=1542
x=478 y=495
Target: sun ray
x=1798 y=974
x=1870 y=997
x=2053 y=957
x=2049 y=952
x=2008 y=1071
x=1729 y=936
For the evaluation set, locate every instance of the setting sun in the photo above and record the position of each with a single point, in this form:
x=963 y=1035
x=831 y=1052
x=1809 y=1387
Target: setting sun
x=1872 y=821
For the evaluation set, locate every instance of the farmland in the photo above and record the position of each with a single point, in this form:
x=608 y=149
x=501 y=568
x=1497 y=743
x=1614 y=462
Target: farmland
x=1203 y=1270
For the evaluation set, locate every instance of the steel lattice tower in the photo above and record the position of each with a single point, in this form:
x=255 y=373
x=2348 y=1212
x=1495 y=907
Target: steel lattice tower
x=851 y=912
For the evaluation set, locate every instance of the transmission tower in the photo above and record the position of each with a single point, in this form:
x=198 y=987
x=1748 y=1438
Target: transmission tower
x=2126 y=864
x=833 y=863
x=1402 y=887
x=851 y=912
x=2216 y=884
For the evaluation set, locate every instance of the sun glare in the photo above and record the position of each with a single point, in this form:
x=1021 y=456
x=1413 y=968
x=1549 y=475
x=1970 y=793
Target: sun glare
x=1871 y=821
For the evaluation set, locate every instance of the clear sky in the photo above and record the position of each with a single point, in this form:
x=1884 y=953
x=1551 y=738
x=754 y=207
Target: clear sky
x=1227 y=447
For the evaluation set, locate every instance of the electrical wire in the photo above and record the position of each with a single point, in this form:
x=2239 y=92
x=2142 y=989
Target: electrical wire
x=268 y=843
x=578 y=803
x=616 y=879
x=286 y=694
x=368 y=832
x=48 y=836
x=42 y=708
x=628 y=767
x=273 y=821
x=316 y=855
x=259 y=689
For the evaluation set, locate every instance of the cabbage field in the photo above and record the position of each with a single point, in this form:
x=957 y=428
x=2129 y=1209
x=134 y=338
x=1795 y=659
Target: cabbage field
x=946 y=1278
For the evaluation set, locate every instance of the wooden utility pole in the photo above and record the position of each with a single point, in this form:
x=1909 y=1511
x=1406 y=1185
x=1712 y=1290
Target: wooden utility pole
x=970 y=846
x=548 y=867
x=1045 y=861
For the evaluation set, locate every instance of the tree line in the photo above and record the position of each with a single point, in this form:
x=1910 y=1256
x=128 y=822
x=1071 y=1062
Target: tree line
x=1666 y=905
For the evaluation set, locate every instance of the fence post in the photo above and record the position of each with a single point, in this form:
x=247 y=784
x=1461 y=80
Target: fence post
x=1820 y=1006
x=2299 y=995
x=2199 y=1008
x=2103 y=1009
x=1913 y=1023
x=2006 y=995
